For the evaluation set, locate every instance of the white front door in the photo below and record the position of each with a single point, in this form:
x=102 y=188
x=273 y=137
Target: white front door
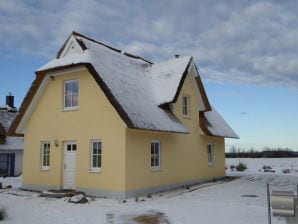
x=69 y=173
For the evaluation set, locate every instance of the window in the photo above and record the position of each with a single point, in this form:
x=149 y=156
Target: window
x=71 y=90
x=210 y=154
x=71 y=147
x=155 y=155
x=45 y=155
x=95 y=155
x=185 y=106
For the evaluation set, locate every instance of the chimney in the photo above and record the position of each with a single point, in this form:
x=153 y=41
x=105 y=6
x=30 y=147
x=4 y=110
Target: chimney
x=10 y=100
x=177 y=55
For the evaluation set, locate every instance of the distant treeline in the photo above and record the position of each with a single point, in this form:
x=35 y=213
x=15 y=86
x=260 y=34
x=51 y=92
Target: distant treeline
x=266 y=153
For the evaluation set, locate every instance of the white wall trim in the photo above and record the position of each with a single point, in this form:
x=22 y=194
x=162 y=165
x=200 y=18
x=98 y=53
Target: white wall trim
x=72 y=46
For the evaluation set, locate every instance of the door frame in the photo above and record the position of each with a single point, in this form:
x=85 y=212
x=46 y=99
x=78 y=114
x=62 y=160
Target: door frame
x=64 y=145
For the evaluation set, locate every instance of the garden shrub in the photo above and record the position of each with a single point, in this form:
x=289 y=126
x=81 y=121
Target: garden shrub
x=241 y=167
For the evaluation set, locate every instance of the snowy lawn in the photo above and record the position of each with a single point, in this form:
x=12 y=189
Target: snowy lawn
x=240 y=201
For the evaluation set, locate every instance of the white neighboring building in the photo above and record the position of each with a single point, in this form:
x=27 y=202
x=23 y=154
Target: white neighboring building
x=11 y=148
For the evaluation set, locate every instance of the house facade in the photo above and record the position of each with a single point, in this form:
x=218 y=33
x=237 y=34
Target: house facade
x=103 y=121
x=11 y=148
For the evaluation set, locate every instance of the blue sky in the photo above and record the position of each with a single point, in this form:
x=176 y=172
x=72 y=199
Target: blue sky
x=246 y=51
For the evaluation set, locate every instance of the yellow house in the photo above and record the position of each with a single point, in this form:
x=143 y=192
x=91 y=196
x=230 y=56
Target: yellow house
x=103 y=121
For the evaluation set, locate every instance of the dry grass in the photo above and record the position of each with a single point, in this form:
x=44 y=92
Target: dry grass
x=152 y=218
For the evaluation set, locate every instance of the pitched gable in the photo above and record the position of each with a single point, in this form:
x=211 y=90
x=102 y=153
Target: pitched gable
x=72 y=45
x=6 y=117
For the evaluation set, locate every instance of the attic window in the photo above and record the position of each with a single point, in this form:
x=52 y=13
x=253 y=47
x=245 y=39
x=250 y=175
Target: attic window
x=210 y=154
x=185 y=106
x=71 y=90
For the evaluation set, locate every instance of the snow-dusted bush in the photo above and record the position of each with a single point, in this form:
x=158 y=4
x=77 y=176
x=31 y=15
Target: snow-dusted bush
x=241 y=167
x=3 y=212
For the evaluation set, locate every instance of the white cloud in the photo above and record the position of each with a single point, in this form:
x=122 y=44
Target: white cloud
x=232 y=41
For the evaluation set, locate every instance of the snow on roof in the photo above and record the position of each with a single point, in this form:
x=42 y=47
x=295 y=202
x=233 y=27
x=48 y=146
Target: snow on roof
x=12 y=143
x=6 y=117
x=69 y=59
x=167 y=74
x=137 y=85
x=217 y=126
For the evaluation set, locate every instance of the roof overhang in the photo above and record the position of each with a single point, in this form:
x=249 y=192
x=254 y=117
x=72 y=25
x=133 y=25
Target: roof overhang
x=212 y=124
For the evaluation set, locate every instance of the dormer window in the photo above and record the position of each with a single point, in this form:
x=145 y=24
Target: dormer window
x=185 y=106
x=71 y=89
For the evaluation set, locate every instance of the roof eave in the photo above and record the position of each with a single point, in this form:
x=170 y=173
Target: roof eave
x=202 y=90
x=203 y=126
x=160 y=130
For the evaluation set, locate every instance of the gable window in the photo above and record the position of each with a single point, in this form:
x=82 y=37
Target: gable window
x=185 y=105
x=210 y=154
x=155 y=155
x=95 y=155
x=45 y=155
x=71 y=89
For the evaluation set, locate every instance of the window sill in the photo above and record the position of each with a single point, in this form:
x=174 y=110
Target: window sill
x=95 y=171
x=156 y=169
x=45 y=169
x=210 y=164
x=70 y=109
x=186 y=116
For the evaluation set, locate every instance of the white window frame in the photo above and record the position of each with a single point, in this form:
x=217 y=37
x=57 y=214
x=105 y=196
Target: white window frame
x=44 y=166
x=92 y=167
x=72 y=107
x=155 y=167
x=210 y=154
x=185 y=107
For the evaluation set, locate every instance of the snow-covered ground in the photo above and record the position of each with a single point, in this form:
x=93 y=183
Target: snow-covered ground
x=240 y=201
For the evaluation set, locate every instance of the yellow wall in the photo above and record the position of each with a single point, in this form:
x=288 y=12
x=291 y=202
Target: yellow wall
x=126 y=152
x=95 y=118
x=183 y=156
